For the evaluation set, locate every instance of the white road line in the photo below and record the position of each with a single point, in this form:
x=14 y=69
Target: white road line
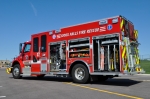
x=146 y=80
x=2 y=96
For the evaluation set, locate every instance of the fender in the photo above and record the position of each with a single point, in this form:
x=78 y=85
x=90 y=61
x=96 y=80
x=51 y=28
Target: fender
x=18 y=62
x=76 y=62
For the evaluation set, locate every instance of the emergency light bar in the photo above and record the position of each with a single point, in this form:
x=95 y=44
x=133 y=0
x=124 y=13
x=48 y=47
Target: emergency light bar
x=115 y=20
x=57 y=31
x=103 y=22
x=50 y=32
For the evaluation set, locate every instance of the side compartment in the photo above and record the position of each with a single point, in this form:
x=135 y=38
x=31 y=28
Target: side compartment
x=106 y=53
x=79 y=48
x=57 y=56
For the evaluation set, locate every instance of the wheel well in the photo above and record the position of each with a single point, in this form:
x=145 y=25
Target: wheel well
x=77 y=62
x=14 y=63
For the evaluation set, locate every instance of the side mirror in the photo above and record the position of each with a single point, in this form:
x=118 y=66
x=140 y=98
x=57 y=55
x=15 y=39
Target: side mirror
x=20 y=48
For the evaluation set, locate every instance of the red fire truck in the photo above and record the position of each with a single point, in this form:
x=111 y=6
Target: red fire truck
x=95 y=50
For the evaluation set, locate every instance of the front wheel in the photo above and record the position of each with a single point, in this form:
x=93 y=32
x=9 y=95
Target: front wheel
x=80 y=74
x=16 y=71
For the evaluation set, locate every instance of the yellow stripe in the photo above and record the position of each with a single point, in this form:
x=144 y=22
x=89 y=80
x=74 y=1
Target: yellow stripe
x=124 y=56
x=136 y=34
x=121 y=25
x=124 y=49
x=135 y=59
x=123 y=52
x=105 y=91
x=136 y=56
x=137 y=62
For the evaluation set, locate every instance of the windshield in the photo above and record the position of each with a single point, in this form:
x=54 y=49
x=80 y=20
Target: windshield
x=27 y=48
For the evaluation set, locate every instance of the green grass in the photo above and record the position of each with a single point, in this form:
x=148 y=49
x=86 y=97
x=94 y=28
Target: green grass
x=145 y=64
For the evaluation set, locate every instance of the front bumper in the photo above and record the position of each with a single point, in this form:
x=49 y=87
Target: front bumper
x=9 y=70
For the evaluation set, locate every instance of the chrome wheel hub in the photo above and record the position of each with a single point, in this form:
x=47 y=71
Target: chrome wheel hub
x=16 y=72
x=79 y=73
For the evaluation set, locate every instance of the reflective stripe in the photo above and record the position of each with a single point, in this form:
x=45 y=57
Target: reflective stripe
x=31 y=62
x=123 y=52
x=126 y=67
x=124 y=55
x=38 y=62
x=122 y=24
x=136 y=56
x=124 y=49
x=135 y=34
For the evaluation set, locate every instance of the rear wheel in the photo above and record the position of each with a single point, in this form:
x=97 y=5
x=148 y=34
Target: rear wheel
x=80 y=74
x=16 y=72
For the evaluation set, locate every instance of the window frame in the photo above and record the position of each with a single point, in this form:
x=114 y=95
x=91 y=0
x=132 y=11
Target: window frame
x=43 y=43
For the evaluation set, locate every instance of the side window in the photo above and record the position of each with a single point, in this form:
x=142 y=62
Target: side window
x=36 y=44
x=27 y=48
x=43 y=43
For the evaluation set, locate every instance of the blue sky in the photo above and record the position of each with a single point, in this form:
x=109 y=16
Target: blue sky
x=21 y=18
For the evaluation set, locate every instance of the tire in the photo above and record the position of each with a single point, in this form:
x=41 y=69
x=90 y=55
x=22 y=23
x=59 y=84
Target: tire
x=16 y=72
x=80 y=78
x=102 y=78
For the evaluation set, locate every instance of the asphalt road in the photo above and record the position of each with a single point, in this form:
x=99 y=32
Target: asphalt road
x=132 y=87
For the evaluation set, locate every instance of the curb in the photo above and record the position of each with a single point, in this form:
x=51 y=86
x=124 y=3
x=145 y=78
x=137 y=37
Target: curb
x=144 y=74
x=3 y=67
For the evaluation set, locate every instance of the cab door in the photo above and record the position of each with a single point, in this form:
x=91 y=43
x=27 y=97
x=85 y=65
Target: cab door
x=43 y=53
x=35 y=54
x=39 y=56
x=26 y=54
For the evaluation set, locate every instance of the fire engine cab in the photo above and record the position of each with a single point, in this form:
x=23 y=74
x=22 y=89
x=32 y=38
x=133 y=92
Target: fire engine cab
x=98 y=50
